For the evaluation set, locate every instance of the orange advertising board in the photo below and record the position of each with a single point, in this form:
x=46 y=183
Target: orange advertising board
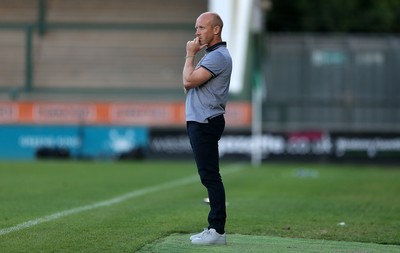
x=64 y=113
x=158 y=114
x=143 y=113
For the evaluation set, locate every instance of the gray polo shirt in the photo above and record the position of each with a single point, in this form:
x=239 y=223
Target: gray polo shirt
x=209 y=99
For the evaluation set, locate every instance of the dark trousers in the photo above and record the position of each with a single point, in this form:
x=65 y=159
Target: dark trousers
x=204 y=139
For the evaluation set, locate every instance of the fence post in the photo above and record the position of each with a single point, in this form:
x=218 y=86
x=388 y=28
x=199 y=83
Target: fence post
x=28 y=57
x=41 y=22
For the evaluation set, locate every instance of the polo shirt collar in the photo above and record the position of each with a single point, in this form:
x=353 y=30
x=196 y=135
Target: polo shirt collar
x=219 y=44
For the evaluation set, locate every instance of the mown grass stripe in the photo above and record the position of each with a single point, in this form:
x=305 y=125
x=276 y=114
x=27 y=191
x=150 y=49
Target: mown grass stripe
x=113 y=201
x=178 y=243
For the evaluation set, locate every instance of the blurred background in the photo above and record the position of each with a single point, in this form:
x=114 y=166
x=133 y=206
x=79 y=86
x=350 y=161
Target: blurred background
x=101 y=79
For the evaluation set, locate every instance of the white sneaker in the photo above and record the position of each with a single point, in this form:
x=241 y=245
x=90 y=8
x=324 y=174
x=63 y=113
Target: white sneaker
x=198 y=235
x=208 y=237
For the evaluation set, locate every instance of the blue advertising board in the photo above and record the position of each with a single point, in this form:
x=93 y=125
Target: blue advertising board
x=23 y=141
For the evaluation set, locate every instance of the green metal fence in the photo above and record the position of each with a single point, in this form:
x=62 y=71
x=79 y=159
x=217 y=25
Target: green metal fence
x=333 y=82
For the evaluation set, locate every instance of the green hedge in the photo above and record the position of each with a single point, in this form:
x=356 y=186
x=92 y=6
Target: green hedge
x=364 y=16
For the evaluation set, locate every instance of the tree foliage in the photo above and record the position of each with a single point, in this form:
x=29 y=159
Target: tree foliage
x=364 y=16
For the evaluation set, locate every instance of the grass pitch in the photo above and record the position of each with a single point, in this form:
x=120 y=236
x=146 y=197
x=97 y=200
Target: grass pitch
x=139 y=206
x=178 y=243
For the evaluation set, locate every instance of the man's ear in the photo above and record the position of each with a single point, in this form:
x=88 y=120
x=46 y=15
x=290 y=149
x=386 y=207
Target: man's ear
x=217 y=29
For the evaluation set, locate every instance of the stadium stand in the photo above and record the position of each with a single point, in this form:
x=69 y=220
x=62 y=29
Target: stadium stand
x=133 y=50
x=21 y=11
x=12 y=58
x=103 y=59
x=143 y=48
x=122 y=11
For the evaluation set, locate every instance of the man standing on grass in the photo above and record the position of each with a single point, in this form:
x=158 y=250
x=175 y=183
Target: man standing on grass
x=206 y=86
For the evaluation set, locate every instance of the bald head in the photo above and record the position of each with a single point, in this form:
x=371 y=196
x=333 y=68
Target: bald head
x=213 y=18
x=209 y=28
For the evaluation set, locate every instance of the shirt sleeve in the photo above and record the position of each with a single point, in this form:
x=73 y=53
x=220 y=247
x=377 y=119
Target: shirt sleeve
x=214 y=62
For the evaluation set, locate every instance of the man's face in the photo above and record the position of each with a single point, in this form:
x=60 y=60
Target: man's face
x=204 y=30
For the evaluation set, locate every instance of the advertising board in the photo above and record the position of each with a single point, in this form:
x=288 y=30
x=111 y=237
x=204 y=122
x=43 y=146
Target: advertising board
x=305 y=145
x=94 y=142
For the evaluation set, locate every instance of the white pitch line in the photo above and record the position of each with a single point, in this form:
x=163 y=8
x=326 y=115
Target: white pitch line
x=113 y=201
